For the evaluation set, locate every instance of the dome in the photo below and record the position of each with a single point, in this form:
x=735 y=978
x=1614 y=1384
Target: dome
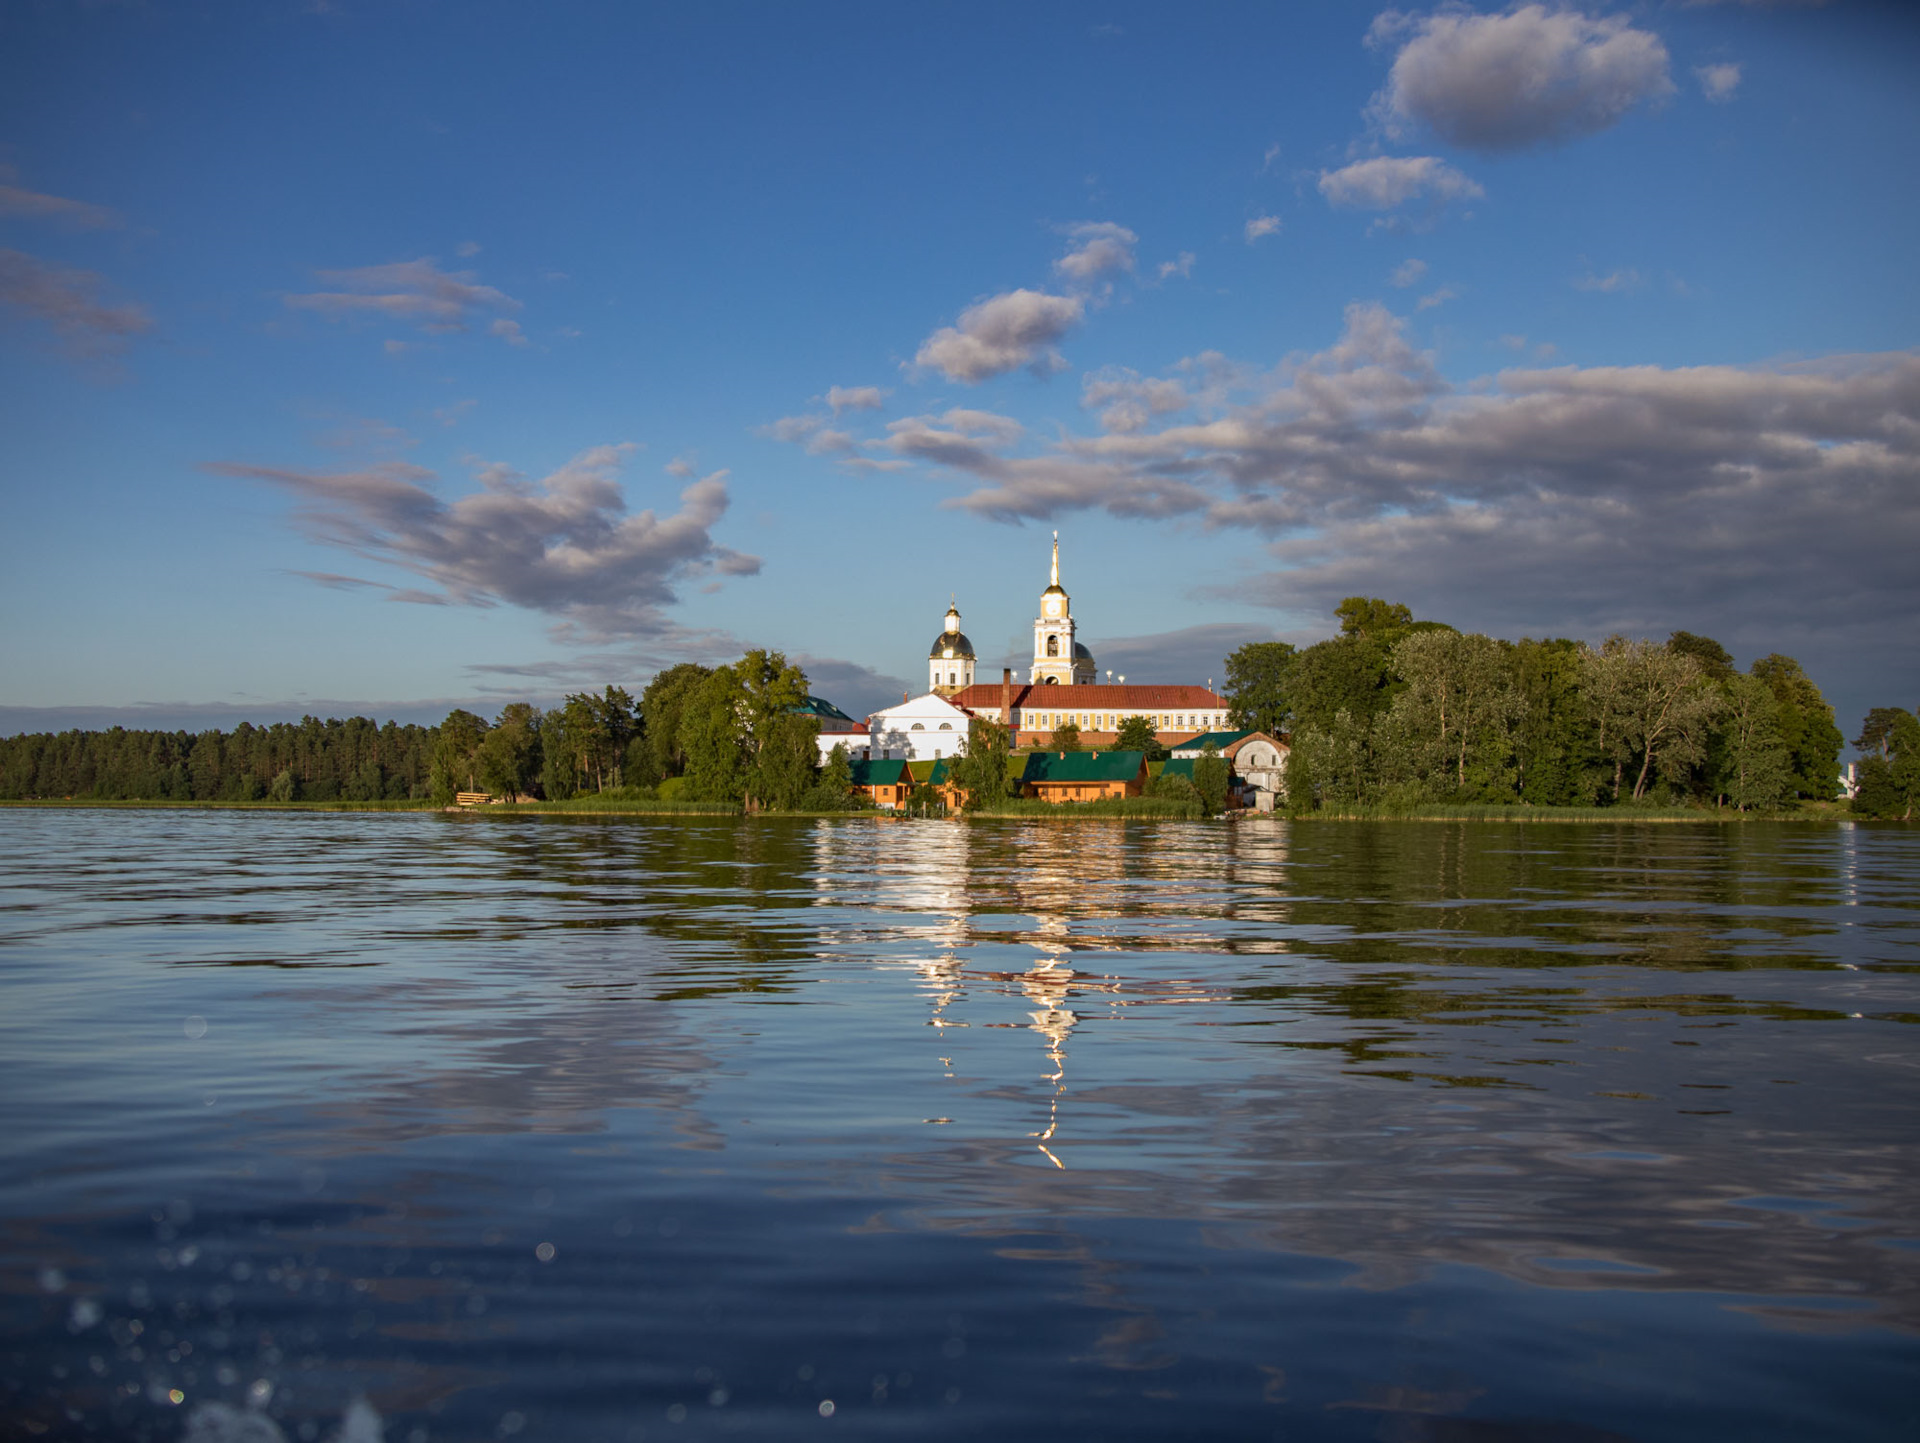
x=962 y=648
x=1080 y=653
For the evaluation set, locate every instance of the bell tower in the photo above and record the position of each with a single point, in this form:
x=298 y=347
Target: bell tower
x=1057 y=657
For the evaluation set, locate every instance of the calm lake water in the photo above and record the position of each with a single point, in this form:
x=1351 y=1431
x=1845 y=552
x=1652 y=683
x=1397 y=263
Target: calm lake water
x=660 y=1129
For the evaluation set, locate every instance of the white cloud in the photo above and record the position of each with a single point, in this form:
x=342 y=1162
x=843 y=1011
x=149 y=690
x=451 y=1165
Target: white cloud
x=1099 y=247
x=1001 y=334
x=417 y=291
x=1530 y=76
x=1436 y=298
x=1407 y=272
x=1581 y=500
x=466 y=249
x=855 y=398
x=1388 y=181
x=508 y=331
x=1718 y=82
x=1128 y=401
x=1181 y=266
x=1262 y=225
x=565 y=545
x=69 y=301
x=31 y=205
x=1626 y=279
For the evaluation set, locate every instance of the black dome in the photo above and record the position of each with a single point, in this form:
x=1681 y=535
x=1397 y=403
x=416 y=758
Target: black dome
x=1080 y=653
x=962 y=648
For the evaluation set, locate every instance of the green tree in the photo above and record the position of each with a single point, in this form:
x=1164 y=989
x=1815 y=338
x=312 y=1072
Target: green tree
x=1370 y=616
x=1807 y=727
x=1652 y=706
x=1259 y=675
x=1754 y=769
x=510 y=754
x=1137 y=734
x=783 y=761
x=456 y=754
x=1211 y=777
x=1878 y=728
x=732 y=718
x=662 y=706
x=1065 y=738
x=1889 y=785
x=832 y=790
x=980 y=771
x=1456 y=711
x=1553 y=737
x=1716 y=662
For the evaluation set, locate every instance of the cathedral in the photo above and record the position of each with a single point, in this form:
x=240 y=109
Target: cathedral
x=1058 y=657
x=1062 y=686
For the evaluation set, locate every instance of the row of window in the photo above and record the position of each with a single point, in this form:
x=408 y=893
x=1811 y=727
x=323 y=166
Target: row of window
x=1110 y=721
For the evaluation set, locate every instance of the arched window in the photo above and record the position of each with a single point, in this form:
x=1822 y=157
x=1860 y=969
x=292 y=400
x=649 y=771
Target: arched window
x=917 y=727
x=1053 y=646
x=1051 y=680
x=946 y=726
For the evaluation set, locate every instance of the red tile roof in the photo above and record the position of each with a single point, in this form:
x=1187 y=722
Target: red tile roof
x=984 y=698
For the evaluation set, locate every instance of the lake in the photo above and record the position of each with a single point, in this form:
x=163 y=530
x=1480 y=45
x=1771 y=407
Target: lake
x=625 y=1129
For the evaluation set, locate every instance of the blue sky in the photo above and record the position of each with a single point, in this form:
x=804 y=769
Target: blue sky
x=381 y=356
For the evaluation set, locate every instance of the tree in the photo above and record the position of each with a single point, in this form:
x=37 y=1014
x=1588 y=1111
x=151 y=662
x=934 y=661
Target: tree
x=1807 y=726
x=1754 y=768
x=1653 y=705
x=1258 y=678
x=1137 y=734
x=732 y=718
x=510 y=755
x=456 y=754
x=1877 y=728
x=1458 y=705
x=832 y=790
x=1370 y=616
x=1211 y=776
x=979 y=773
x=1889 y=785
x=1716 y=662
x=662 y=706
x=1553 y=737
x=1065 y=738
x=783 y=762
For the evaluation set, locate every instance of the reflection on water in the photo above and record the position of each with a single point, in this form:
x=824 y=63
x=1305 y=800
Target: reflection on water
x=562 y=1128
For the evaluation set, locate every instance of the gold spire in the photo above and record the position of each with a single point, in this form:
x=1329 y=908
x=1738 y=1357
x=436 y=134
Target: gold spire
x=1056 y=558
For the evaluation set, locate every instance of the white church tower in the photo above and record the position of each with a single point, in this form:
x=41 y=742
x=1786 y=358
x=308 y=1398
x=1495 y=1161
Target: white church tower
x=950 y=661
x=1057 y=657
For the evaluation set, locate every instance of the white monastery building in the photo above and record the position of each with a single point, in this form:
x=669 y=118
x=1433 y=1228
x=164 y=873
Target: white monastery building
x=1061 y=687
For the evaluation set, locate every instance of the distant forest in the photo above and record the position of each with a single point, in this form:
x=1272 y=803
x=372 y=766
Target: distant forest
x=1392 y=713
x=1395 y=713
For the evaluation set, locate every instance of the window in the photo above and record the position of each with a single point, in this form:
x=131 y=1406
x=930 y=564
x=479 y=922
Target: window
x=1053 y=646
x=917 y=727
x=946 y=726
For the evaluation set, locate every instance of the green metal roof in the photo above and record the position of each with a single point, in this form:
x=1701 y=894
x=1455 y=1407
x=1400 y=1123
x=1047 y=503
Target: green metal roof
x=1221 y=741
x=822 y=708
x=1084 y=766
x=932 y=773
x=885 y=772
x=1179 y=767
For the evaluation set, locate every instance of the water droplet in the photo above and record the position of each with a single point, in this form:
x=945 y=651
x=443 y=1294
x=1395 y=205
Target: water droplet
x=826 y=1407
x=544 y=1252
x=195 y=1028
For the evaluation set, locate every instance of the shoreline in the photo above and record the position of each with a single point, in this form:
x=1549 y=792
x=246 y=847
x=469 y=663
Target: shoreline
x=1063 y=813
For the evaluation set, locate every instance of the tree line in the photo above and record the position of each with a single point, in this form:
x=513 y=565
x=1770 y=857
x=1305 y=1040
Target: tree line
x=1394 y=711
x=715 y=734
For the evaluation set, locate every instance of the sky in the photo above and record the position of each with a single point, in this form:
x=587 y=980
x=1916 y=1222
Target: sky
x=381 y=357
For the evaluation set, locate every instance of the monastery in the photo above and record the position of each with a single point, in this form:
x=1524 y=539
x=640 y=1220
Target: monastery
x=1062 y=685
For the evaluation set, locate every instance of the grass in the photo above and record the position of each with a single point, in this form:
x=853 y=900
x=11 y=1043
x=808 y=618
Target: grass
x=1515 y=812
x=138 y=803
